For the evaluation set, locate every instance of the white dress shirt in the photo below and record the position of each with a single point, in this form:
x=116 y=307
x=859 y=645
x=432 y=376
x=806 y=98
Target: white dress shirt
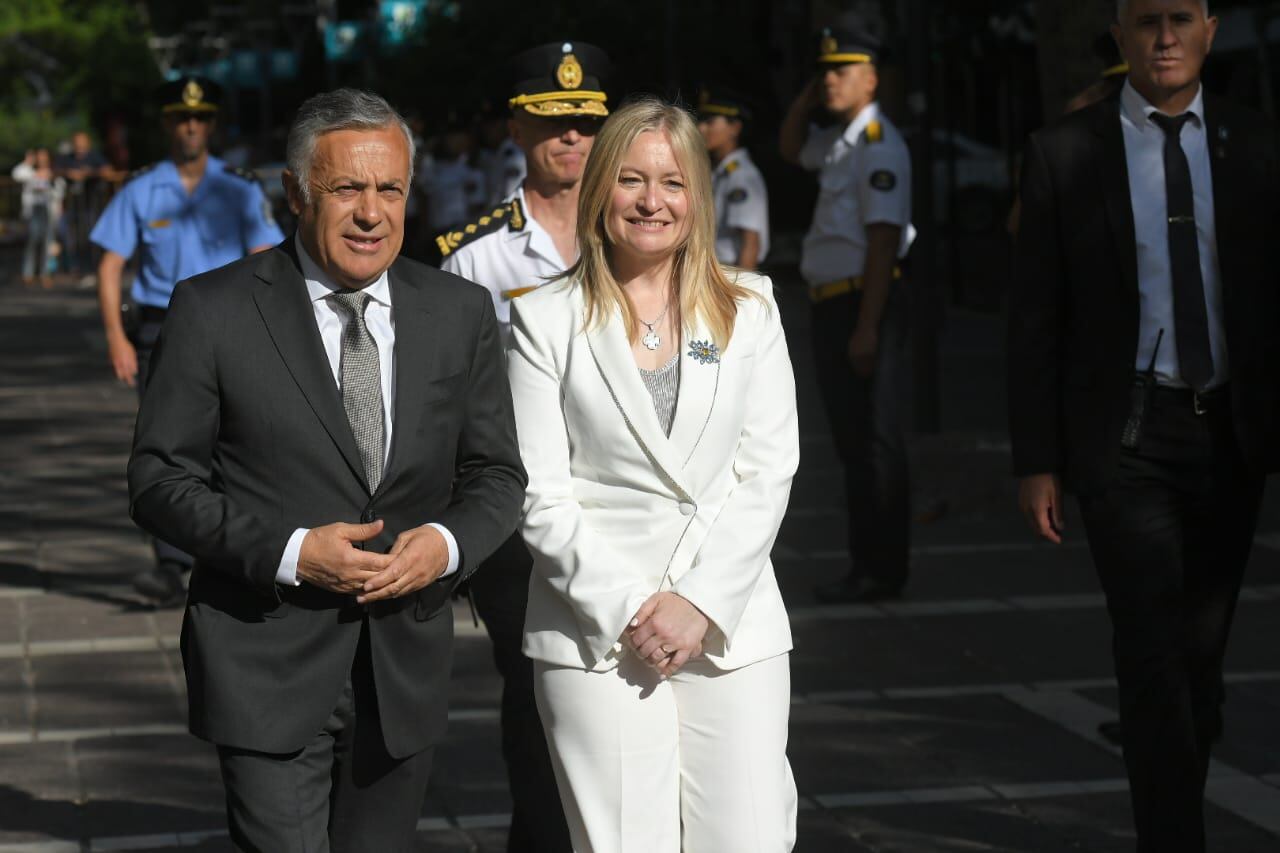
x=1144 y=155
x=332 y=321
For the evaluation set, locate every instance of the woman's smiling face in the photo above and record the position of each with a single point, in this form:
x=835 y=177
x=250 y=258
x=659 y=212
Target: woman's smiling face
x=648 y=215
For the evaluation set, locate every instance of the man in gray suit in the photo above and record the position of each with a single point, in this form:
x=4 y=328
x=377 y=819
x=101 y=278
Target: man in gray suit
x=328 y=430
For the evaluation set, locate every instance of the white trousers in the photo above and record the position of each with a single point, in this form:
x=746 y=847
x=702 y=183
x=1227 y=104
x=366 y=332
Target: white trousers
x=696 y=763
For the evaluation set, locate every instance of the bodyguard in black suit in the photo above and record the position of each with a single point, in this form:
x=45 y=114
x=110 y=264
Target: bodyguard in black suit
x=1144 y=375
x=328 y=430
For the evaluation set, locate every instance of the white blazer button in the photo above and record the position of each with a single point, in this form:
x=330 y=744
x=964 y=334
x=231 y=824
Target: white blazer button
x=687 y=508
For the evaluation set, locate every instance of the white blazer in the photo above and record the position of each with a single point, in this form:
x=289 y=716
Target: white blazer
x=616 y=510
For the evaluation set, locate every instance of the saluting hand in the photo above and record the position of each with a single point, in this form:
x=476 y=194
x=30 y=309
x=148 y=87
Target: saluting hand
x=667 y=631
x=417 y=558
x=329 y=559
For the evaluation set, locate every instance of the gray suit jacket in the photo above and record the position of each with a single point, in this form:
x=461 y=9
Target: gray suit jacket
x=242 y=438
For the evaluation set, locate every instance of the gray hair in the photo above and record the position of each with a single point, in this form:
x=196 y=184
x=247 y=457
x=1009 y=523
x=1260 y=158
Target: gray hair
x=1122 y=6
x=341 y=109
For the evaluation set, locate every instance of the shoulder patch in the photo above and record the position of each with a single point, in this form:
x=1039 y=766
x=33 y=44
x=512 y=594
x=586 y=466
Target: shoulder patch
x=883 y=180
x=874 y=131
x=740 y=194
x=137 y=173
x=244 y=174
x=508 y=214
x=731 y=167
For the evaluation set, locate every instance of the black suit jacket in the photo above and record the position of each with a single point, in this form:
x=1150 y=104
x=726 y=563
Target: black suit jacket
x=1073 y=308
x=242 y=438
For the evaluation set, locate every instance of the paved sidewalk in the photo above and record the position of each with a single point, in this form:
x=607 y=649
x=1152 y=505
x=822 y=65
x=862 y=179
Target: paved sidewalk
x=959 y=719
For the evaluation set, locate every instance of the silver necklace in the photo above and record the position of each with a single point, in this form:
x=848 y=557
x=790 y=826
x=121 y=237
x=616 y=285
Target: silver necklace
x=652 y=340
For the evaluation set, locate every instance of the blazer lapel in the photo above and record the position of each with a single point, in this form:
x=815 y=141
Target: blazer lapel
x=612 y=353
x=699 y=383
x=1226 y=178
x=290 y=321
x=1115 y=189
x=415 y=350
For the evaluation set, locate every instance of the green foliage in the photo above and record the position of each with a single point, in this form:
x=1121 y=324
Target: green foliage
x=65 y=63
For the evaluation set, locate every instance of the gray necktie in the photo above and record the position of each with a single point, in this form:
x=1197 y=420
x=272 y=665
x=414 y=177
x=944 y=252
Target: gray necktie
x=362 y=384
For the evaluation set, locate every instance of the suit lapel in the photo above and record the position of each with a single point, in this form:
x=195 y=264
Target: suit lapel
x=699 y=382
x=417 y=343
x=612 y=353
x=1226 y=186
x=290 y=321
x=1115 y=189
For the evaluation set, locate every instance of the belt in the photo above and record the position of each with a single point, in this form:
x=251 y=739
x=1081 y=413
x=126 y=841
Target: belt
x=151 y=313
x=1200 y=402
x=832 y=289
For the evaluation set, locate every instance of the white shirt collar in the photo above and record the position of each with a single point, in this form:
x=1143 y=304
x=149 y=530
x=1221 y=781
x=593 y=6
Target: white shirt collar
x=1139 y=109
x=733 y=156
x=319 y=285
x=868 y=114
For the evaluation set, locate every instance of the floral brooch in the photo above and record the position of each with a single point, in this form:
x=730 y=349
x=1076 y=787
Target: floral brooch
x=704 y=352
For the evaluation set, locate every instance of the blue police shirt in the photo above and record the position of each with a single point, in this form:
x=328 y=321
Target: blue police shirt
x=183 y=235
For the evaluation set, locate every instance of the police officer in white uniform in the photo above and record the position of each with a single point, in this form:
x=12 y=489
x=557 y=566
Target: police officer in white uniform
x=742 y=202
x=557 y=104
x=850 y=259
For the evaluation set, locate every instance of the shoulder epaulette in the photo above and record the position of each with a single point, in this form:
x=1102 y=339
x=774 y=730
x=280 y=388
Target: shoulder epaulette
x=509 y=214
x=136 y=173
x=874 y=131
x=731 y=167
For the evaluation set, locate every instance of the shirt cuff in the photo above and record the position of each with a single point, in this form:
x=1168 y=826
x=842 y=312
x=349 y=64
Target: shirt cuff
x=455 y=558
x=287 y=572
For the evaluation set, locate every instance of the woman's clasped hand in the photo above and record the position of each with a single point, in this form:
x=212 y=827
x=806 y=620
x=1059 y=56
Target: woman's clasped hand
x=667 y=632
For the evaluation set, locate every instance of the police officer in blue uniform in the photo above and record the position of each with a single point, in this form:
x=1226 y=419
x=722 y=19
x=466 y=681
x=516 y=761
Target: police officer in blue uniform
x=179 y=217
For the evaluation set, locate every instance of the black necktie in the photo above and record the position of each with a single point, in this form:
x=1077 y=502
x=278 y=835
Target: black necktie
x=1190 y=318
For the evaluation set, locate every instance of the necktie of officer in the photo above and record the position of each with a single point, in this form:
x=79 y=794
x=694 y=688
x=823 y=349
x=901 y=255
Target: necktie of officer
x=1190 y=317
x=362 y=384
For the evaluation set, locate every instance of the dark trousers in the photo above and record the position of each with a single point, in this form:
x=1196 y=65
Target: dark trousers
x=500 y=590
x=148 y=332
x=868 y=418
x=342 y=792
x=1170 y=538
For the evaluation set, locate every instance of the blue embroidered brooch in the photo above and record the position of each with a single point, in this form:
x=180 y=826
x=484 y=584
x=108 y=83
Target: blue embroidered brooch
x=704 y=352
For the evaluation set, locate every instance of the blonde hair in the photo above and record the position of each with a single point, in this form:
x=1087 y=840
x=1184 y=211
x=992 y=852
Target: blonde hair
x=705 y=292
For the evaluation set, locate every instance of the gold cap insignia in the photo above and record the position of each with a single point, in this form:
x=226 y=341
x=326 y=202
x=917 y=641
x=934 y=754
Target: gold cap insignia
x=569 y=73
x=828 y=45
x=192 y=94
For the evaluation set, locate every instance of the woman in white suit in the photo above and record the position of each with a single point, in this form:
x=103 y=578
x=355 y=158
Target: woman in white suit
x=655 y=405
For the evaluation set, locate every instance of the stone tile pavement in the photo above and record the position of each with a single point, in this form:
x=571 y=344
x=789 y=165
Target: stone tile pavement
x=960 y=719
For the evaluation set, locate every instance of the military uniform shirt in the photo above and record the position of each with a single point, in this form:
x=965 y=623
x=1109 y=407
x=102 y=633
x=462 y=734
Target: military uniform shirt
x=864 y=178
x=178 y=235
x=517 y=256
x=741 y=203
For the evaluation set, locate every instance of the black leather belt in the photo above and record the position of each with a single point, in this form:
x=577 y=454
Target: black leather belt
x=1199 y=402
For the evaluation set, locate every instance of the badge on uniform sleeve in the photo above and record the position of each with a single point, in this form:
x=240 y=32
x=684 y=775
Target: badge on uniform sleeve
x=883 y=180
x=740 y=194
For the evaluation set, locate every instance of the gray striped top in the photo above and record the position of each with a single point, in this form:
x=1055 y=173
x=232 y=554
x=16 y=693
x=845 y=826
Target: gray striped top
x=663 y=385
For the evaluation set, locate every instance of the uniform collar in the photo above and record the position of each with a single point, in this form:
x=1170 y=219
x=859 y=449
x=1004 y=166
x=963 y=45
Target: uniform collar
x=539 y=240
x=319 y=285
x=1138 y=109
x=868 y=114
x=737 y=155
